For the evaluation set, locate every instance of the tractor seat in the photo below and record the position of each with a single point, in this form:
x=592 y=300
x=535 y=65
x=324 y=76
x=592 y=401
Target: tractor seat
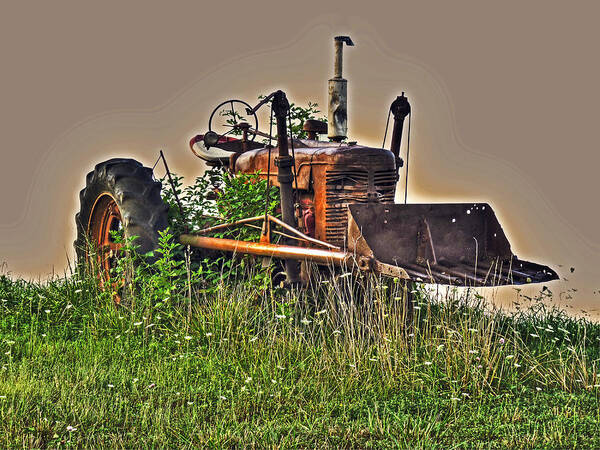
x=220 y=153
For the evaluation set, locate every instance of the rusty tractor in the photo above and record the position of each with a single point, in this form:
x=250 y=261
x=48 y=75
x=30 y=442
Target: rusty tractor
x=336 y=198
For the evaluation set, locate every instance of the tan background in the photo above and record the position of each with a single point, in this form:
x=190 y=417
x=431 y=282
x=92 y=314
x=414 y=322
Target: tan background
x=504 y=94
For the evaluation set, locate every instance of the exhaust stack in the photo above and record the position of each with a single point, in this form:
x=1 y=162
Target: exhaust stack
x=338 y=95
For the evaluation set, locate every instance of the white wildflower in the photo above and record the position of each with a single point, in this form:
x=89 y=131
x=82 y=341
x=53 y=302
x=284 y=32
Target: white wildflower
x=428 y=363
x=248 y=380
x=188 y=338
x=255 y=338
x=190 y=403
x=110 y=385
x=273 y=381
x=510 y=356
x=47 y=311
x=222 y=397
x=137 y=324
x=70 y=428
x=337 y=332
x=323 y=311
x=534 y=335
x=517 y=365
x=209 y=334
x=473 y=352
x=69 y=306
x=305 y=321
x=78 y=291
x=280 y=316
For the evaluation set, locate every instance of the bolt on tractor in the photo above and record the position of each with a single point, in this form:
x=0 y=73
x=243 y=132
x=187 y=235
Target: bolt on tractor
x=336 y=201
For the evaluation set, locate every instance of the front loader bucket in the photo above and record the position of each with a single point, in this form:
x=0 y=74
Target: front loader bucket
x=460 y=244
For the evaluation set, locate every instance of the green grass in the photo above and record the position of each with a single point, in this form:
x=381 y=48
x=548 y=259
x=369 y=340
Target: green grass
x=327 y=367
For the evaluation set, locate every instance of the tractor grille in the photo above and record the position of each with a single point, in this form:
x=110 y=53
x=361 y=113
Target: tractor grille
x=347 y=186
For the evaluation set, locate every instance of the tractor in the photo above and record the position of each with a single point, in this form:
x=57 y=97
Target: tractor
x=337 y=201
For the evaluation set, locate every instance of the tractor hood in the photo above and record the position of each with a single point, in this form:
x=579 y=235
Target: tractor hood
x=309 y=154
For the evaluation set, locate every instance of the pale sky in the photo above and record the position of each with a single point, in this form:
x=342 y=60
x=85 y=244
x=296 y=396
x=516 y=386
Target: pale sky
x=504 y=96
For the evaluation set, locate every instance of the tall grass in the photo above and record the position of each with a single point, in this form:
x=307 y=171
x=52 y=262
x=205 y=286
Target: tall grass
x=249 y=364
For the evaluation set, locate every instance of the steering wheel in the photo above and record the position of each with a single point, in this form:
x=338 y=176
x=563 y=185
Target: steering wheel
x=229 y=114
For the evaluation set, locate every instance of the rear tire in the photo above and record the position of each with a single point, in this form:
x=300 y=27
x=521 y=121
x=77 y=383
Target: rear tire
x=120 y=194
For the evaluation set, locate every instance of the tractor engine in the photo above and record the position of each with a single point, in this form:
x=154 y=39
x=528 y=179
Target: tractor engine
x=330 y=176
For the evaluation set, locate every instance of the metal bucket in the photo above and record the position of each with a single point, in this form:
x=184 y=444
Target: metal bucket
x=460 y=243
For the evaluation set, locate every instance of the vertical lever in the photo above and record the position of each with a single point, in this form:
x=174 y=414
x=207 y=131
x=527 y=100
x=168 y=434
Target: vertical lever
x=285 y=162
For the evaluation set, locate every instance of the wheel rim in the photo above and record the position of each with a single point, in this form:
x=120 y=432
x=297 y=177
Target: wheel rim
x=104 y=219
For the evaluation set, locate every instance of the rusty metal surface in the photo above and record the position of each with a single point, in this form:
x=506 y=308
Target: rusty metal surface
x=347 y=260
x=349 y=185
x=104 y=219
x=307 y=157
x=333 y=177
x=337 y=110
x=459 y=244
x=314 y=127
x=265 y=249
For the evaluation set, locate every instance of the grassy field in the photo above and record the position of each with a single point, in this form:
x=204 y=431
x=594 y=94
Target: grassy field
x=245 y=365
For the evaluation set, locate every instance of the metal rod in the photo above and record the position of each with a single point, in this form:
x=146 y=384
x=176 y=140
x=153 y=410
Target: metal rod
x=227 y=225
x=284 y=161
x=185 y=226
x=302 y=235
x=287 y=252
